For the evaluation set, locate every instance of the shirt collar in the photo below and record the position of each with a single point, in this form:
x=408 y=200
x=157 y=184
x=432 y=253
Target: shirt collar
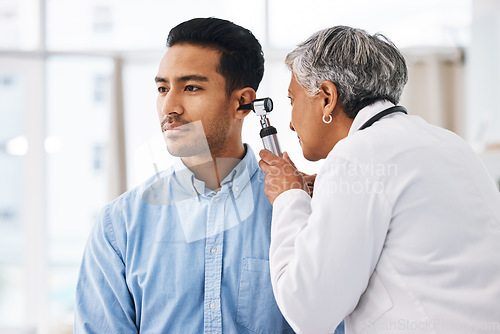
x=237 y=179
x=368 y=112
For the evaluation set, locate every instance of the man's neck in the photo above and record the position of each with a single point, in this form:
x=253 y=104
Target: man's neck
x=214 y=169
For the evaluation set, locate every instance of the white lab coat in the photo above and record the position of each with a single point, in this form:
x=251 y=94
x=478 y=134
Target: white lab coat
x=402 y=235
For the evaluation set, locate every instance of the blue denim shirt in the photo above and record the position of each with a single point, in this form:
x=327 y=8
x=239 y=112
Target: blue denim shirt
x=172 y=256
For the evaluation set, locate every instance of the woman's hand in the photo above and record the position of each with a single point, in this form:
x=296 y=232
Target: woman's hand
x=308 y=178
x=282 y=175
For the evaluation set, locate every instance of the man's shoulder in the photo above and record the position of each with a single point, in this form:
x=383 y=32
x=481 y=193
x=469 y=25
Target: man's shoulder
x=138 y=194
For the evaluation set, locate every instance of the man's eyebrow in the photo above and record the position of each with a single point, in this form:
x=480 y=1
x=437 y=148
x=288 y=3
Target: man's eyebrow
x=194 y=77
x=160 y=79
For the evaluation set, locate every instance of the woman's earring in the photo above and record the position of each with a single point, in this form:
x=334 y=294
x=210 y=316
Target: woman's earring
x=329 y=120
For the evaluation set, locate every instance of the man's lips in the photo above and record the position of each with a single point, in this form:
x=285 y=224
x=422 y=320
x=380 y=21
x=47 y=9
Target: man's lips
x=174 y=126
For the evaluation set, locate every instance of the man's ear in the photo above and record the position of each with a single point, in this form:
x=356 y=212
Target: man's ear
x=328 y=94
x=243 y=96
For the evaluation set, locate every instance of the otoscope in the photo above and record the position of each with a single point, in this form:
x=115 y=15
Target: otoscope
x=268 y=133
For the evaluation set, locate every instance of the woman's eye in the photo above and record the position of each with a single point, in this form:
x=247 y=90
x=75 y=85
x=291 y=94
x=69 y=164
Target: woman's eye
x=191 y=88
x=291 y=100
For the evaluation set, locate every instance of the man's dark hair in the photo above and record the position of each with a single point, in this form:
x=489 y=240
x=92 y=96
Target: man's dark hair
x=241 y=56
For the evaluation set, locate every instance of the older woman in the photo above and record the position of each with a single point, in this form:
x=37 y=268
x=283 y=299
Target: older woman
x=402 y=233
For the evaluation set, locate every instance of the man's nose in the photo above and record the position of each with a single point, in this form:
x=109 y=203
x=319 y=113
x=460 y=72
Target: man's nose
x=171 y=105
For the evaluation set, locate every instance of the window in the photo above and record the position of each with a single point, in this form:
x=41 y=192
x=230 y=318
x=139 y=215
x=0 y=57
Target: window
x=76 y=174
x=407 y=23
x=12 y=150
x=103 y=20
x=19 y=24
x=135 y=25
x=18 y=186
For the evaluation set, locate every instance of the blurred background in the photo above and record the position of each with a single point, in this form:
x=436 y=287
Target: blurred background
x=78 y=122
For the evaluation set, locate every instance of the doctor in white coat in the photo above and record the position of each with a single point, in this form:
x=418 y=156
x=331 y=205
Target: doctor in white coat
x=402 y=233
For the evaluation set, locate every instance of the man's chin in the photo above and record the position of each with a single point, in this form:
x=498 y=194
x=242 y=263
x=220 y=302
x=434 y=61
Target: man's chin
x=187 y=150
x=179 y=152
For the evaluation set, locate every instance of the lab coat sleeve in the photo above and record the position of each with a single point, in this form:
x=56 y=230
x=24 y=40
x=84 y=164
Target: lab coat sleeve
x=324 y=250
x=103 y=301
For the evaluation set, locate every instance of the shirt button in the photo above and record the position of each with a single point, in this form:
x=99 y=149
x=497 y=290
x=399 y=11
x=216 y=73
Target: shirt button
x=213 y=250
x=212 y=305
x=236 y=188
x=216 y=199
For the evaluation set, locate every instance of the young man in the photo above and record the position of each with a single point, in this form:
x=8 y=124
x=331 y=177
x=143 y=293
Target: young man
x=187 y=252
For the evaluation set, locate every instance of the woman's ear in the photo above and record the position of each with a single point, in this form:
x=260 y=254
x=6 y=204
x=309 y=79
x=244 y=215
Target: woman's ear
x=328 y=93
x=244 y=96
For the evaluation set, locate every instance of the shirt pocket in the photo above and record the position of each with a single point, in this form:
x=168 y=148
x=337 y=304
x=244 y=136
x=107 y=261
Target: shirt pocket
x=257 y=308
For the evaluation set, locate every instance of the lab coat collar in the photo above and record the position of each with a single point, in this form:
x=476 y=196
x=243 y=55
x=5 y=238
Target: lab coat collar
x=368 y=112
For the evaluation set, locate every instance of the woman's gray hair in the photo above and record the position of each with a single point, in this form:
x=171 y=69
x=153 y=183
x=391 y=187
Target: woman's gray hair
x=364 y=68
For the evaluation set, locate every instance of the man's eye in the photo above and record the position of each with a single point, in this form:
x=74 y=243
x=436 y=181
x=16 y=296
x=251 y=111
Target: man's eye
x=191 y=88
x=162 y=89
